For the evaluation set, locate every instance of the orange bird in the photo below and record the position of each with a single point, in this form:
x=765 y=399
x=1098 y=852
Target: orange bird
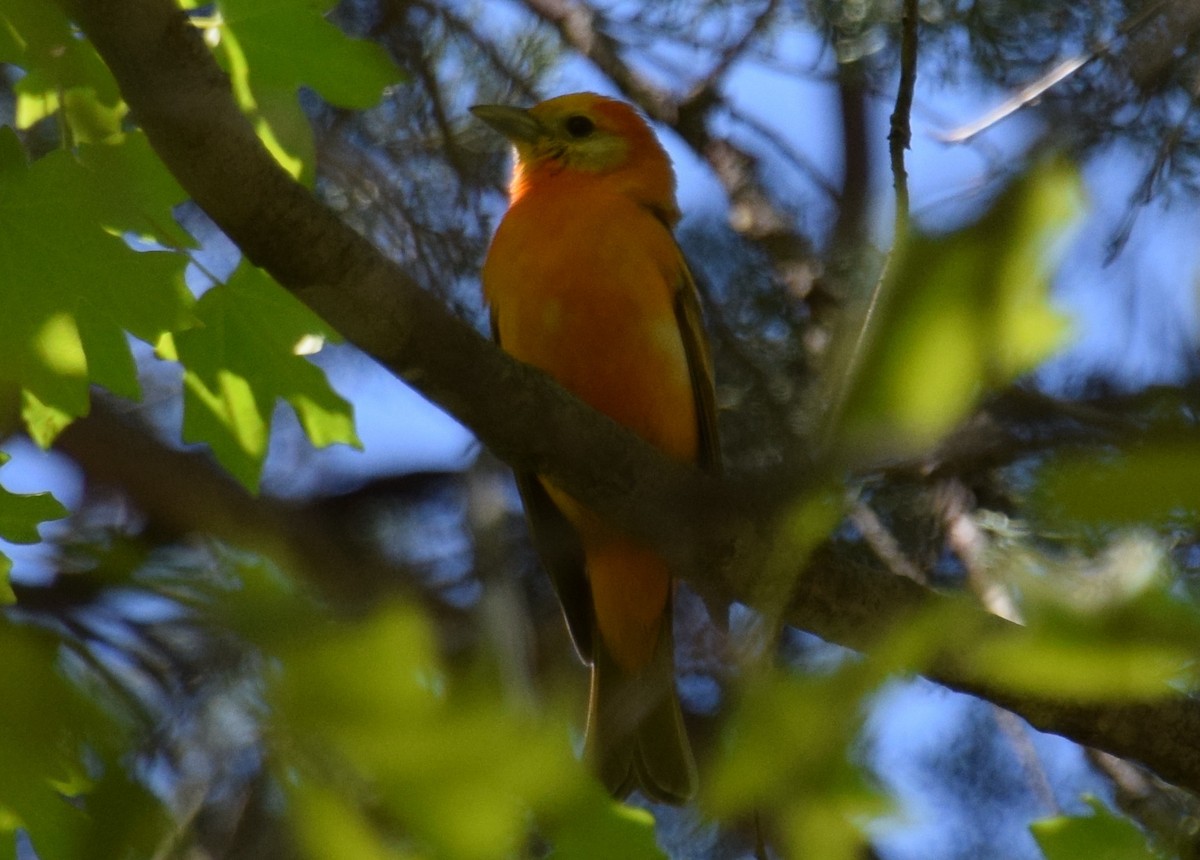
x=585 y=281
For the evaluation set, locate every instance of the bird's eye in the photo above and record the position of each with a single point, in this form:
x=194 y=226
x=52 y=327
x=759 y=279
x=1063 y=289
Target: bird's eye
x=579 y=126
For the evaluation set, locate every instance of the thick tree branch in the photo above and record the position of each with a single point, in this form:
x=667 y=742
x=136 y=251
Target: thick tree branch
x=183 y=102
x=117 y=451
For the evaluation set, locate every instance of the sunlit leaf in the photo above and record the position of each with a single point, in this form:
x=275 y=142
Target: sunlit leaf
x=963 y=313
x=240 y=360
x=273 y=48
x=289 y=44
x=56 y=338
x=1099 y=836
x=60 y=69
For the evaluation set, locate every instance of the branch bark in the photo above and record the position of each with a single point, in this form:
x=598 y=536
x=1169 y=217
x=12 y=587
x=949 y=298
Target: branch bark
x=182 y=101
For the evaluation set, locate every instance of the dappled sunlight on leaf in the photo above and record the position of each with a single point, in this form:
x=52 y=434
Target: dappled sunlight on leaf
x=240 y=360
x=61 y=69
x=54 y=338
x=271 y=49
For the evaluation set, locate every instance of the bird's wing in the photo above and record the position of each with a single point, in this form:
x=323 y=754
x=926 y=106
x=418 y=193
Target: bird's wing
x=557 y=545
x=691 y=328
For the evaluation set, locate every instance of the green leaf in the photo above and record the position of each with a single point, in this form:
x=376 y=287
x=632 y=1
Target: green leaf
x=375 y=738
x=289 y=44
x=1099 y=836
x=72 y=290
x=1153 y=482
x=785 y=755
x=20 y=515
x=60 y=69
x=241 y=359
x=329 y=825
x=271 y=48
x=1106 y=629
x=961 y=314
x=44 y=720
x=137 y=193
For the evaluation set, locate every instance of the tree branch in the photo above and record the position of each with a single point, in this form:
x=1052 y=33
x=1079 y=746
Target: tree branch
x=182 y=100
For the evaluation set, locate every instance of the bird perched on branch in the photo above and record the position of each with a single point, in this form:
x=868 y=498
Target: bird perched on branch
x=585 y=281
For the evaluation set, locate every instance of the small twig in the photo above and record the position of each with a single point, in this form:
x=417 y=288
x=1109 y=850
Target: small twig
x=1017 y=734
x=883 y=543
x=1033 y=91
x=900 y=135
x=1142 y=195
x=734 y=51
x=899 y=139
x=786 y=150
x=967 y=541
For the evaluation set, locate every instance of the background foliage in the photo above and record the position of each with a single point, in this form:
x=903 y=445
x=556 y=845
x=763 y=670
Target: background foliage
x=219 y=641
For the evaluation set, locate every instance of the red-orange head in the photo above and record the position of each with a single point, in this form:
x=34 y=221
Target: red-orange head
x=585 y=136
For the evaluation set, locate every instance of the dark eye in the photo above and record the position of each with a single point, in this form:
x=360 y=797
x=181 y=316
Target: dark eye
x=580 y=126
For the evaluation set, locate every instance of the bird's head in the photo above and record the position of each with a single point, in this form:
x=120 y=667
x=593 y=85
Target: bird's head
x=586 y=135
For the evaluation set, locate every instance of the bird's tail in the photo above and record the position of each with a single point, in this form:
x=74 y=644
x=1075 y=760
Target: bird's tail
x=635 y=733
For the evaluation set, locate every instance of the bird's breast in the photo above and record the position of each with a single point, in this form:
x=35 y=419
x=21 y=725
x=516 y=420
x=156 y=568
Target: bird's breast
x=591 y=300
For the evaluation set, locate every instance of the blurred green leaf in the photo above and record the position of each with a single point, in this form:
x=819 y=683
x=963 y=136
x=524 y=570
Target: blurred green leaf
x=1156 y=481
x=1099 y=836
x=63 y=779
x=243 y=357
x=963 y=313
x=332 y=827
x=372 y=735
x=786 y=754
x=45 y=723
x=1098 y=633
x=598 y=828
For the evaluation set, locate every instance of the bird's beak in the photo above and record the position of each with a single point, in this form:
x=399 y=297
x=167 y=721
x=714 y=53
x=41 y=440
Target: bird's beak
x=516 y=124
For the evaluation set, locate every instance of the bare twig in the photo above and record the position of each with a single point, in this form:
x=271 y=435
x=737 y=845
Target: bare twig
x=1031 y=92
x=1027 y=755
x=736 y=49
x=899 y=138
x=900 y=135
x=883 y=543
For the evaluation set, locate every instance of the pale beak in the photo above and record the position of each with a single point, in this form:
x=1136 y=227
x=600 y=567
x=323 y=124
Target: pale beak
x=516 y=124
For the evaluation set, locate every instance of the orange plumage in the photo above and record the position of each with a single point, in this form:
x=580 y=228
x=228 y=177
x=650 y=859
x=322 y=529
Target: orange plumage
x=585 y=281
